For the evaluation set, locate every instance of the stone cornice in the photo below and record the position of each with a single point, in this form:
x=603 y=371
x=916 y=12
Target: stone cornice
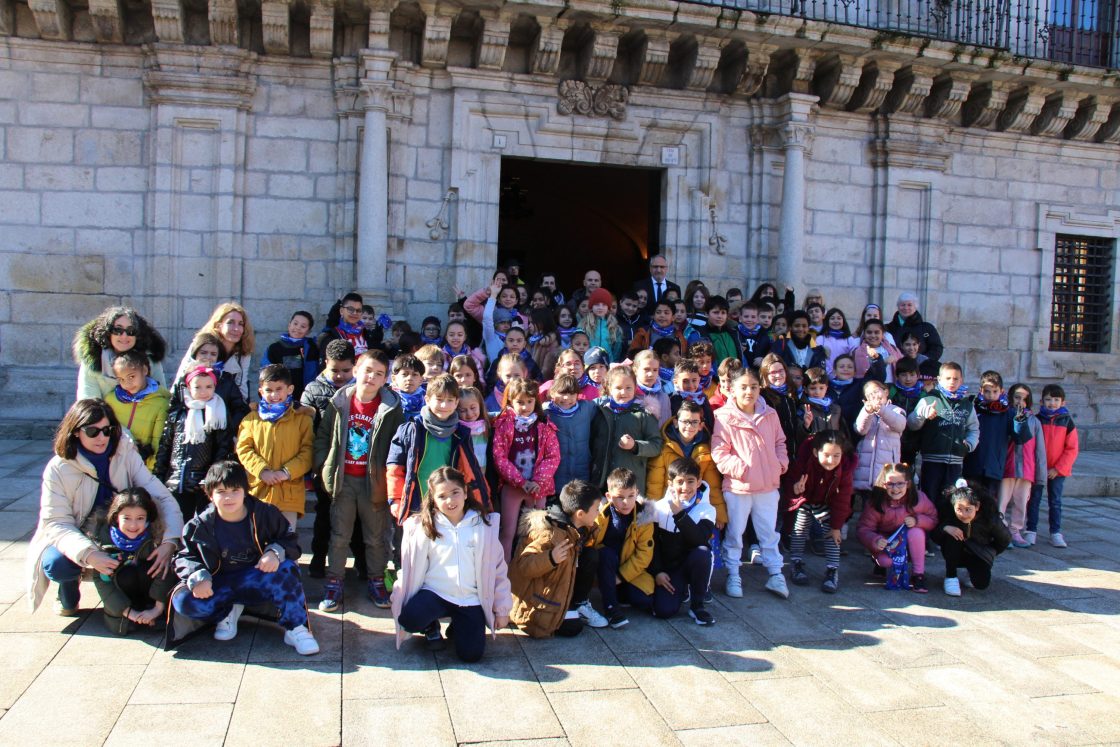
x=199 y=76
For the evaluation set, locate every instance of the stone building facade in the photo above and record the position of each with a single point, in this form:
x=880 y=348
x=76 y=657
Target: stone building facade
x=174 y=154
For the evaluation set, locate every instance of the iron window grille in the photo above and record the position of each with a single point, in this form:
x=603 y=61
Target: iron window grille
x=1081 y=308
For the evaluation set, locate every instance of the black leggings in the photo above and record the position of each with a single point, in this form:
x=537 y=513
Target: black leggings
x=957 y=555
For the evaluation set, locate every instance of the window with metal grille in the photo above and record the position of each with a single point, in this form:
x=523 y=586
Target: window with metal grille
x=1081 y=310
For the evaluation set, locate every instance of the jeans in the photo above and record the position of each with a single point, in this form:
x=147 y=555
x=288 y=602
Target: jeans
x=613 y=592
x=66 y=573
x=1054 y=490
x=689 y=580
x=426 y=607
x=249 y=587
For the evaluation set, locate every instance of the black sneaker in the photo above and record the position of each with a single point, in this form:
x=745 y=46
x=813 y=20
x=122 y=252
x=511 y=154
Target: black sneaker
x=709 y=598
x=433 y=639
x=616 y=619
x=701 y=616
x=798 y=574
x=318 y=567
x=831 y=581
x=878 y=571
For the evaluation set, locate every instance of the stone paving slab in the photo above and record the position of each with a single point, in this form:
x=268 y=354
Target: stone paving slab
x=1035 y=659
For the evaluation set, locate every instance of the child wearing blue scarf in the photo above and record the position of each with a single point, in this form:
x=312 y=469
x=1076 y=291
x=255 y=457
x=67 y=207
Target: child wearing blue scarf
x=946 y=418
x=131 y=532
x=139 y=403
x=626 y=435
x=296 y=351
x=820 y=411
x=906 y=392
x=408 y=383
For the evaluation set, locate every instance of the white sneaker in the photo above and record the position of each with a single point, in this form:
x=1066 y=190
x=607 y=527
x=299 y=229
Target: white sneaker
x=953 y=587
x=591 y=616
x=1057 y=540
x=226 y=630
x=1030 y=537
x=734 y=588
x=302 y=641
x=776 y=585
x=756 y=555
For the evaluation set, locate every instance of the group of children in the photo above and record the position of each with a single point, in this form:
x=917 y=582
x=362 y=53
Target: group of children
x=500 y=482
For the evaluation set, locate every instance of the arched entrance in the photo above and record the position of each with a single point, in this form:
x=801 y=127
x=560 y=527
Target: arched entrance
x=568 y=218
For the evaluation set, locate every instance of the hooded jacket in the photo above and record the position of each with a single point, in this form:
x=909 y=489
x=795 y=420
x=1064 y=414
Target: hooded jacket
x=545 y=461
x=606 y=431
x=542 y=589
x=406 y=453
x=334 y=431
x=94 y=381
x=830 y=488
x=986 y=537
x=181 y=465
x=284 y=444
x=144 y=421
x=930 y=340
x=881 y=442
x=998 y=428
x=1062 y=446
x=749 y=449
x=637 y=545
x=949 y=437
x=657 y=476
x=791 y=417
x=573 y=437
x=676 y=534
x=875 y=524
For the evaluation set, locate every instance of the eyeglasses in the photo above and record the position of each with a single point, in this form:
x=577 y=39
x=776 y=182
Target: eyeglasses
x=352 y=309
x=693 y=423
x=92 y=431
x=118 y=331
x=895 y=485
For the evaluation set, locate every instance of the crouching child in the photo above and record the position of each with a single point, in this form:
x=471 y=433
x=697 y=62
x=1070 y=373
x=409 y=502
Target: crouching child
x=682 y=555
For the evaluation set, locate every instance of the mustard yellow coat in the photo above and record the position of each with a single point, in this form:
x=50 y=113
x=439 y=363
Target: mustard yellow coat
x=657 y=473
x=637 y=545
x=289 y=442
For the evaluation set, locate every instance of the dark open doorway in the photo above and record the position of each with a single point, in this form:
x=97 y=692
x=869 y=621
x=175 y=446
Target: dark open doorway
x=569 y=218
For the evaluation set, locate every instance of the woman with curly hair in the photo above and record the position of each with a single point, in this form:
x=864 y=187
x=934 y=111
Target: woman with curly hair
x=230 y=322
x=115 y=330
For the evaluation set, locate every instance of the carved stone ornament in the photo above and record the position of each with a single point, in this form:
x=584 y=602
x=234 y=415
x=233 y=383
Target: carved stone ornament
x=607 y=100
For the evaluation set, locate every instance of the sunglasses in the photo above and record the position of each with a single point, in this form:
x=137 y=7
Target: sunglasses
x=130 y=331
x=92 y=431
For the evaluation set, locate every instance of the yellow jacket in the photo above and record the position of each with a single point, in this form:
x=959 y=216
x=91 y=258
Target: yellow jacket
x=144 y=420
x=657 y=474
x=637 y=546
x=286 y=443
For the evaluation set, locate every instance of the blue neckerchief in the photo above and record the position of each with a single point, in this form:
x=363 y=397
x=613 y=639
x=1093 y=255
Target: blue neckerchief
x=686 y=507
x=838 y=334
x=655 y=389
x=534 y=339
x=566 y=335
x=350 y=329
x=272 y=413
x=618 y=407
x=825 y=402
x=706 y=380
x=780 y=388
x=585 y=381
x=665 y=374
x=218 y=366
x=909 y=391
x=122 y=542
x=124 y=396
x=952 y=396
x=654 y=327
x=429 y=340
x=465 y=350
x=750 y=331
x=1046 y=412
x=555 y=409
x=411 y=403
x=697 y=396
x=301 y=341
x=100 y=464
x=800 y=392
x=840 y=384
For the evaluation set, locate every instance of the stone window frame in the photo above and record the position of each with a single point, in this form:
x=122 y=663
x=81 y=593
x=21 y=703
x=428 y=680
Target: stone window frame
x=1054 y=219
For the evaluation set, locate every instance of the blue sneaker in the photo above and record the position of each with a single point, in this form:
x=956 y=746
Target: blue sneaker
x=378 y=594
x=332 y=595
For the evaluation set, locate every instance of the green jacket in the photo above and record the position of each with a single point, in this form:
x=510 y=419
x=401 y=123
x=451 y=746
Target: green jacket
x=607 y=455
x=332 y=439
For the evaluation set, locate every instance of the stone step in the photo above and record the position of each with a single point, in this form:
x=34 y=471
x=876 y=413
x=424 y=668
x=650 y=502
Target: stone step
x=1096 y=473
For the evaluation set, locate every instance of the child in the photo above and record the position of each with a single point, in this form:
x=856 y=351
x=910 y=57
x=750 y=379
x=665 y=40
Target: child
x=140 y=403
x=766 y=313
x=275 y=444
x=544 y=342
x=508 y=368
x=1060 y=435
x=668 y=352
x=465 y=370
x=820 y=411
x=881 y=425
x=565 y=324
x=130 y=534
x=822 y=498
x=682 y=562
x=197 y=434
x=455 y=344
x=704 y=354
x=351 y=448
x=571 y=363
x=970 y=534
x=623 y=537
x=553 y=570
x=686 y=437
x=408 y=384
x=780 y=393
x=1025 y=465
x=338 y=371
x=629 y=316
x=581 y=343
x=800 y=347
x=816 y=317
x=472 y=413
x=896 y=501
x=725 y=343
x=626 y=435
x=525 y=453
x=595 y=364
x=496 y=322
x=516 y=344
x=779 y=327
x=998 y=426
x=205 y=350
x=874 y=356
x=845 y=389
x=949 y=429
x=572 y=415
x=601 y=325
x=660 y=327
x=753 y=338
x=749 y=449
x=432 y=358
x=429 y=441
x=238 y=553
x=430 y=331
x=728 y=369
x=911 y=347
x=651 y=392
x=686 y=385
x=345 y=322
x=452 y=566
x=296 y=351
x=906 y=392
x=835 y=337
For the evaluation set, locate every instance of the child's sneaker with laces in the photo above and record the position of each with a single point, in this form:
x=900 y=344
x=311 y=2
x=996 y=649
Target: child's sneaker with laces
x=1057 y=540
x=226 y=630
x=332 y=596
x=378 y=594
x=591 y=616
x=701 y=616
x=798 y=574
x=302 y=641
x=1030 y=537
x=831 y=580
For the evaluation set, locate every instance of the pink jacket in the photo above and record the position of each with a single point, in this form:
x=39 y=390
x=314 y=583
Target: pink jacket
x=476 y=302
x=490 y=571
x=875 y=524
x=548 y=453
x=863 y=361
x=881 y=442
x=834 y=346
x=749 y=450
x=476 y=354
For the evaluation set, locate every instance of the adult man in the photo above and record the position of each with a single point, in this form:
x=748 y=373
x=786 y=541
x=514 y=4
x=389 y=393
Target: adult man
x=592 y=280
x=656 y=286
x=548 y=282
x=908 y=321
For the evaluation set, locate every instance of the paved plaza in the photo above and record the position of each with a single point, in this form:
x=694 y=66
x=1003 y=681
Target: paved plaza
x=1033 y=660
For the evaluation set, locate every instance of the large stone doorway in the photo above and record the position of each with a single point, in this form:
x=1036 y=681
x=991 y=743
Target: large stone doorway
x=569 y=218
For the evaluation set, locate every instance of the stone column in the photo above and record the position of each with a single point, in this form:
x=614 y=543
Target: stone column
x=373 y=188
x=796 y=131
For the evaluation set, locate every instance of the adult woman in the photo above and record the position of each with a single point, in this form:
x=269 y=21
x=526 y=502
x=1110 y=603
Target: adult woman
x=230 y=322
x=92 y=460
x=115 y=330
x=344 y=322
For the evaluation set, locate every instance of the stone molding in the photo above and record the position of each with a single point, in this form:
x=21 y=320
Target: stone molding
x=202 y=76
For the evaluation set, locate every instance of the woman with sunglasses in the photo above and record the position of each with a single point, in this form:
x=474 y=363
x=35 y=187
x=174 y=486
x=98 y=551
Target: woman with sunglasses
x=92 y=461
x=230 y=323
x=116 y=330
x=344 y=322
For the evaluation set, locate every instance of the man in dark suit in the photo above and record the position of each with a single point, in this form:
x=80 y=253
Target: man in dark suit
x=656 y=286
